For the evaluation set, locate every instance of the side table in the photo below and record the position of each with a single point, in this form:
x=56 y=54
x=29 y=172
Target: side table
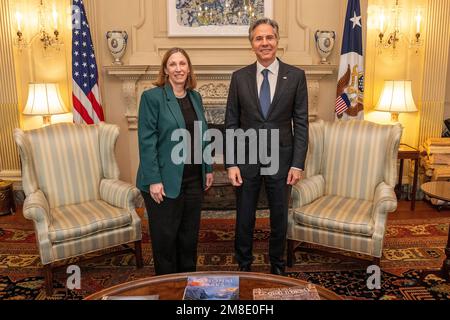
x=6 y=198
x=407 y=152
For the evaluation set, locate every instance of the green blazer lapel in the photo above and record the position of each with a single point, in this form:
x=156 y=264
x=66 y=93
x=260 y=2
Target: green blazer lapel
x=174 y=107
x=199 y=111
x=197 y=107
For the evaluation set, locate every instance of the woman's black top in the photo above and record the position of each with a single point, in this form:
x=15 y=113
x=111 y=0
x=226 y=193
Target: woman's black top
x=191 y=171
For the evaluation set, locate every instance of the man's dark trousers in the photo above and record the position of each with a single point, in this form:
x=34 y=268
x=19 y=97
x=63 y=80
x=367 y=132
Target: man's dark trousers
x=247 y=197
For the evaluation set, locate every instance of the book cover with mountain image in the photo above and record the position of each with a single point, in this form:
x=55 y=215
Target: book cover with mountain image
x=212 y=288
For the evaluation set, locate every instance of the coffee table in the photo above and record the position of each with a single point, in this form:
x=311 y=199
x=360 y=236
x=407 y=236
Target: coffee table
x=440 y=190
x=437 y=189
x=171 y=287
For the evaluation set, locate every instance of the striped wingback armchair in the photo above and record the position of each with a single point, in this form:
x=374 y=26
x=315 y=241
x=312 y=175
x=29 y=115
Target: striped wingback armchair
x=73 y=193
x=350 y=174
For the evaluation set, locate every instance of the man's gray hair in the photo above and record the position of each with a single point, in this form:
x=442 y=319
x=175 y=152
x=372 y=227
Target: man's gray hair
x=261 y=21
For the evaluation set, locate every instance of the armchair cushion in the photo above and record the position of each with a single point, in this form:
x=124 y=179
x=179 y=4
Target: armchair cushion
x=85 y=219
x=339 y=214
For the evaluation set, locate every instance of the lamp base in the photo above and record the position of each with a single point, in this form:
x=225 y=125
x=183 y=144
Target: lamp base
x=394 y=117
x=47 y=120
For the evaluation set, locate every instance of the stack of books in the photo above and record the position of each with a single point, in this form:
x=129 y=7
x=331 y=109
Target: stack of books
x=435 y=162
x=436 y=158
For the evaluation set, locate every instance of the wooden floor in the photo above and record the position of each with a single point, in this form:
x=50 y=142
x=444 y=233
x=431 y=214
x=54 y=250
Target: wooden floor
x=424 y=210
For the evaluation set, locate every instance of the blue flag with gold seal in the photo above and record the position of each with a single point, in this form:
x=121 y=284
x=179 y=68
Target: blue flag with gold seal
x=350 y=87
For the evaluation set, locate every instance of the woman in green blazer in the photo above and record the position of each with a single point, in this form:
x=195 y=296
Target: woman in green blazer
x=173 y=192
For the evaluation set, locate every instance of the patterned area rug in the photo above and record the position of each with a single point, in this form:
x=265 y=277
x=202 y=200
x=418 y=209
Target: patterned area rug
x=410 y=246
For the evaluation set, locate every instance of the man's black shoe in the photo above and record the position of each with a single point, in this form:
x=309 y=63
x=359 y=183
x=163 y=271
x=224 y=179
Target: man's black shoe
x=245 y=269
x=277 y=270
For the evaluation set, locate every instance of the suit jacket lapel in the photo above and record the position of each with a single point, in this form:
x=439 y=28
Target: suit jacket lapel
x=282 y=81
x=174 y=107
x=253 y=87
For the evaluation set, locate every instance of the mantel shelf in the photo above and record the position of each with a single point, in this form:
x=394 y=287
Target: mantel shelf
x=135 y=72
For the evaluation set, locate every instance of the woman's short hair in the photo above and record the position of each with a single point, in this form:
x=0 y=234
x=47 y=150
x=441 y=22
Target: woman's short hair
x=191 y=81
x=261 y=21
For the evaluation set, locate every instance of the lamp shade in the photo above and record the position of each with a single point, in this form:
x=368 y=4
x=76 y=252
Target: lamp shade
x=44 y=99
x=396 y=97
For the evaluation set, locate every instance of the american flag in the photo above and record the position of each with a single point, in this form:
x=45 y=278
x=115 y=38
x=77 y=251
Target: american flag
x=350 y=87
x=87 y=106
x=342 y=104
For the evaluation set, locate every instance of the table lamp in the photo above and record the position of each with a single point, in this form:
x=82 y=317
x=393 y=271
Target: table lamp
x=44 y=100
x=395 y=98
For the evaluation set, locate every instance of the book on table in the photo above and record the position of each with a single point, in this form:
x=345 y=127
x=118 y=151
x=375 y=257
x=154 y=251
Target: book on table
x=212 y=288
x=308 y=292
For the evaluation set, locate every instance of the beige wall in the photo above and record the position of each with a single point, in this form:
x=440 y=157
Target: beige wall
x=426 y=67
x=145 y=22
x=9 y=115
x=34 y=64
x=447 y=95
x=403 y=63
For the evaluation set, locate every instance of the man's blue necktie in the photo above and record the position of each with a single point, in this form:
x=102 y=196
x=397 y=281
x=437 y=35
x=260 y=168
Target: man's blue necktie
x=264 y=94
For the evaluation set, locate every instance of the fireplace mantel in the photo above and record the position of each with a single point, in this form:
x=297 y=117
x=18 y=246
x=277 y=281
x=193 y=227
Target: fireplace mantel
x=213 y=84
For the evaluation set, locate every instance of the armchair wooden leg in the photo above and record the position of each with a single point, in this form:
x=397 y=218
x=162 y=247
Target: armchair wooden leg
x=48 y=279
x=138 y=254
x=290 y=253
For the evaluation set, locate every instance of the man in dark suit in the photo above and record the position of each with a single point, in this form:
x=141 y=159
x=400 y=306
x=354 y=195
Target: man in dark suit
x=271 y=95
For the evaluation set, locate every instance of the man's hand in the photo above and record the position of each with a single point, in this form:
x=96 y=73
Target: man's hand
x=209 y=181
x=157 y=192
x=234 y=175
x=294 y=176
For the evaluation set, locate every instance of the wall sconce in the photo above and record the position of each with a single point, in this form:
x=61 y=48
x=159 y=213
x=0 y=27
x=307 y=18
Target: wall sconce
x=44 y=100
x=394 y=22
x=44 y=24
x=396 y=98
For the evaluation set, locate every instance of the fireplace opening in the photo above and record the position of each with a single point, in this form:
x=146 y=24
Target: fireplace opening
x=222 y=195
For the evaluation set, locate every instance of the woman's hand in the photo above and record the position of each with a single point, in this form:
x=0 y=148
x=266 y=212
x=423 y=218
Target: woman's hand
x=157 y=192
x=209 y=181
